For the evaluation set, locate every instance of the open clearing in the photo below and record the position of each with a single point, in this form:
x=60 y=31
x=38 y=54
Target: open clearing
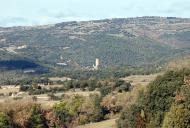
x=81 y=93
x=141 y=79
x=103 y=124
x=9 y=89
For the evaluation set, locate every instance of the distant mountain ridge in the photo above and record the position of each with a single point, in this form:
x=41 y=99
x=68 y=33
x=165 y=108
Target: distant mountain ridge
x=116 y=42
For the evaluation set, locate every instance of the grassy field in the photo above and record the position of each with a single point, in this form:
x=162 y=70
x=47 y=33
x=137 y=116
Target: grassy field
x=9 y=89
x=141 y=79
x=103 y=124
x=81 y=93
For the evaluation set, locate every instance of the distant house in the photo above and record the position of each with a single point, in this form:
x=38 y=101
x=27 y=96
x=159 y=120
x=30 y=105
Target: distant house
x=29 y=71
x=22 y=47
x=62 y=64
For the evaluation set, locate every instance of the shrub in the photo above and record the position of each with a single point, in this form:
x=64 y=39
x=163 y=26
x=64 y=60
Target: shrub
x=53 y=97
x=124 y=87
x=24 y=88
x=37 y=119
x=156 y=101
x=62 y=114
x=132 y=117
x=96 y=113
x=177 y=117
x=4 y=121
x=105 y=90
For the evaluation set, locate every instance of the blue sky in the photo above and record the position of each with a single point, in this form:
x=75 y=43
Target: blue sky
x=39 y=12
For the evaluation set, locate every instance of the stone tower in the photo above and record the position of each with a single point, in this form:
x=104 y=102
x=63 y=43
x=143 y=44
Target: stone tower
x=97 y=64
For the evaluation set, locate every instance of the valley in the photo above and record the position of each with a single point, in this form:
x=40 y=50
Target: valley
x=122 y=72
x=12 y=93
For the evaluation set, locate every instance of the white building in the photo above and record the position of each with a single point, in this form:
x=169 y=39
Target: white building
x=97 y=64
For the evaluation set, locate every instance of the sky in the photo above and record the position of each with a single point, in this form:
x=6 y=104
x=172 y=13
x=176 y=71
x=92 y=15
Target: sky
x=42 y=12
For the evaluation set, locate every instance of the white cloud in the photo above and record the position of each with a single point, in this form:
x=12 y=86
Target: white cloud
x=37 y=12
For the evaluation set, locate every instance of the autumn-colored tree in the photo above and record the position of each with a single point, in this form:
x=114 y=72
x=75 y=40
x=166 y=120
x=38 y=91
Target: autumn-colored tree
x=109 y=103
x=177 y=117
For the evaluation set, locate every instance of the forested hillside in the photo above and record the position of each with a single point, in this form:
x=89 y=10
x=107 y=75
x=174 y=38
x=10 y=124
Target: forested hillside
x=116 y=42
x=164 y=104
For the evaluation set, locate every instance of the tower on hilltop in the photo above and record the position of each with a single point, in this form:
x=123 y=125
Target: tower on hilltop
x=97 y=64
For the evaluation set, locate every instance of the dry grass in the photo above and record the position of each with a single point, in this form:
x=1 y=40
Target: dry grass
x=43 y=99
x=178 y=64
x=141 y=79
x=139 y=83
x=103 y=124
x=53 y=86
x=8 y=89
x=15 y=105
x=59 y=78
x=81 y=93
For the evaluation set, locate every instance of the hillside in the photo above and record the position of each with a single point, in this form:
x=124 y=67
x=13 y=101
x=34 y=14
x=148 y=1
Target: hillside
x=116 y=42
x=163 y=104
